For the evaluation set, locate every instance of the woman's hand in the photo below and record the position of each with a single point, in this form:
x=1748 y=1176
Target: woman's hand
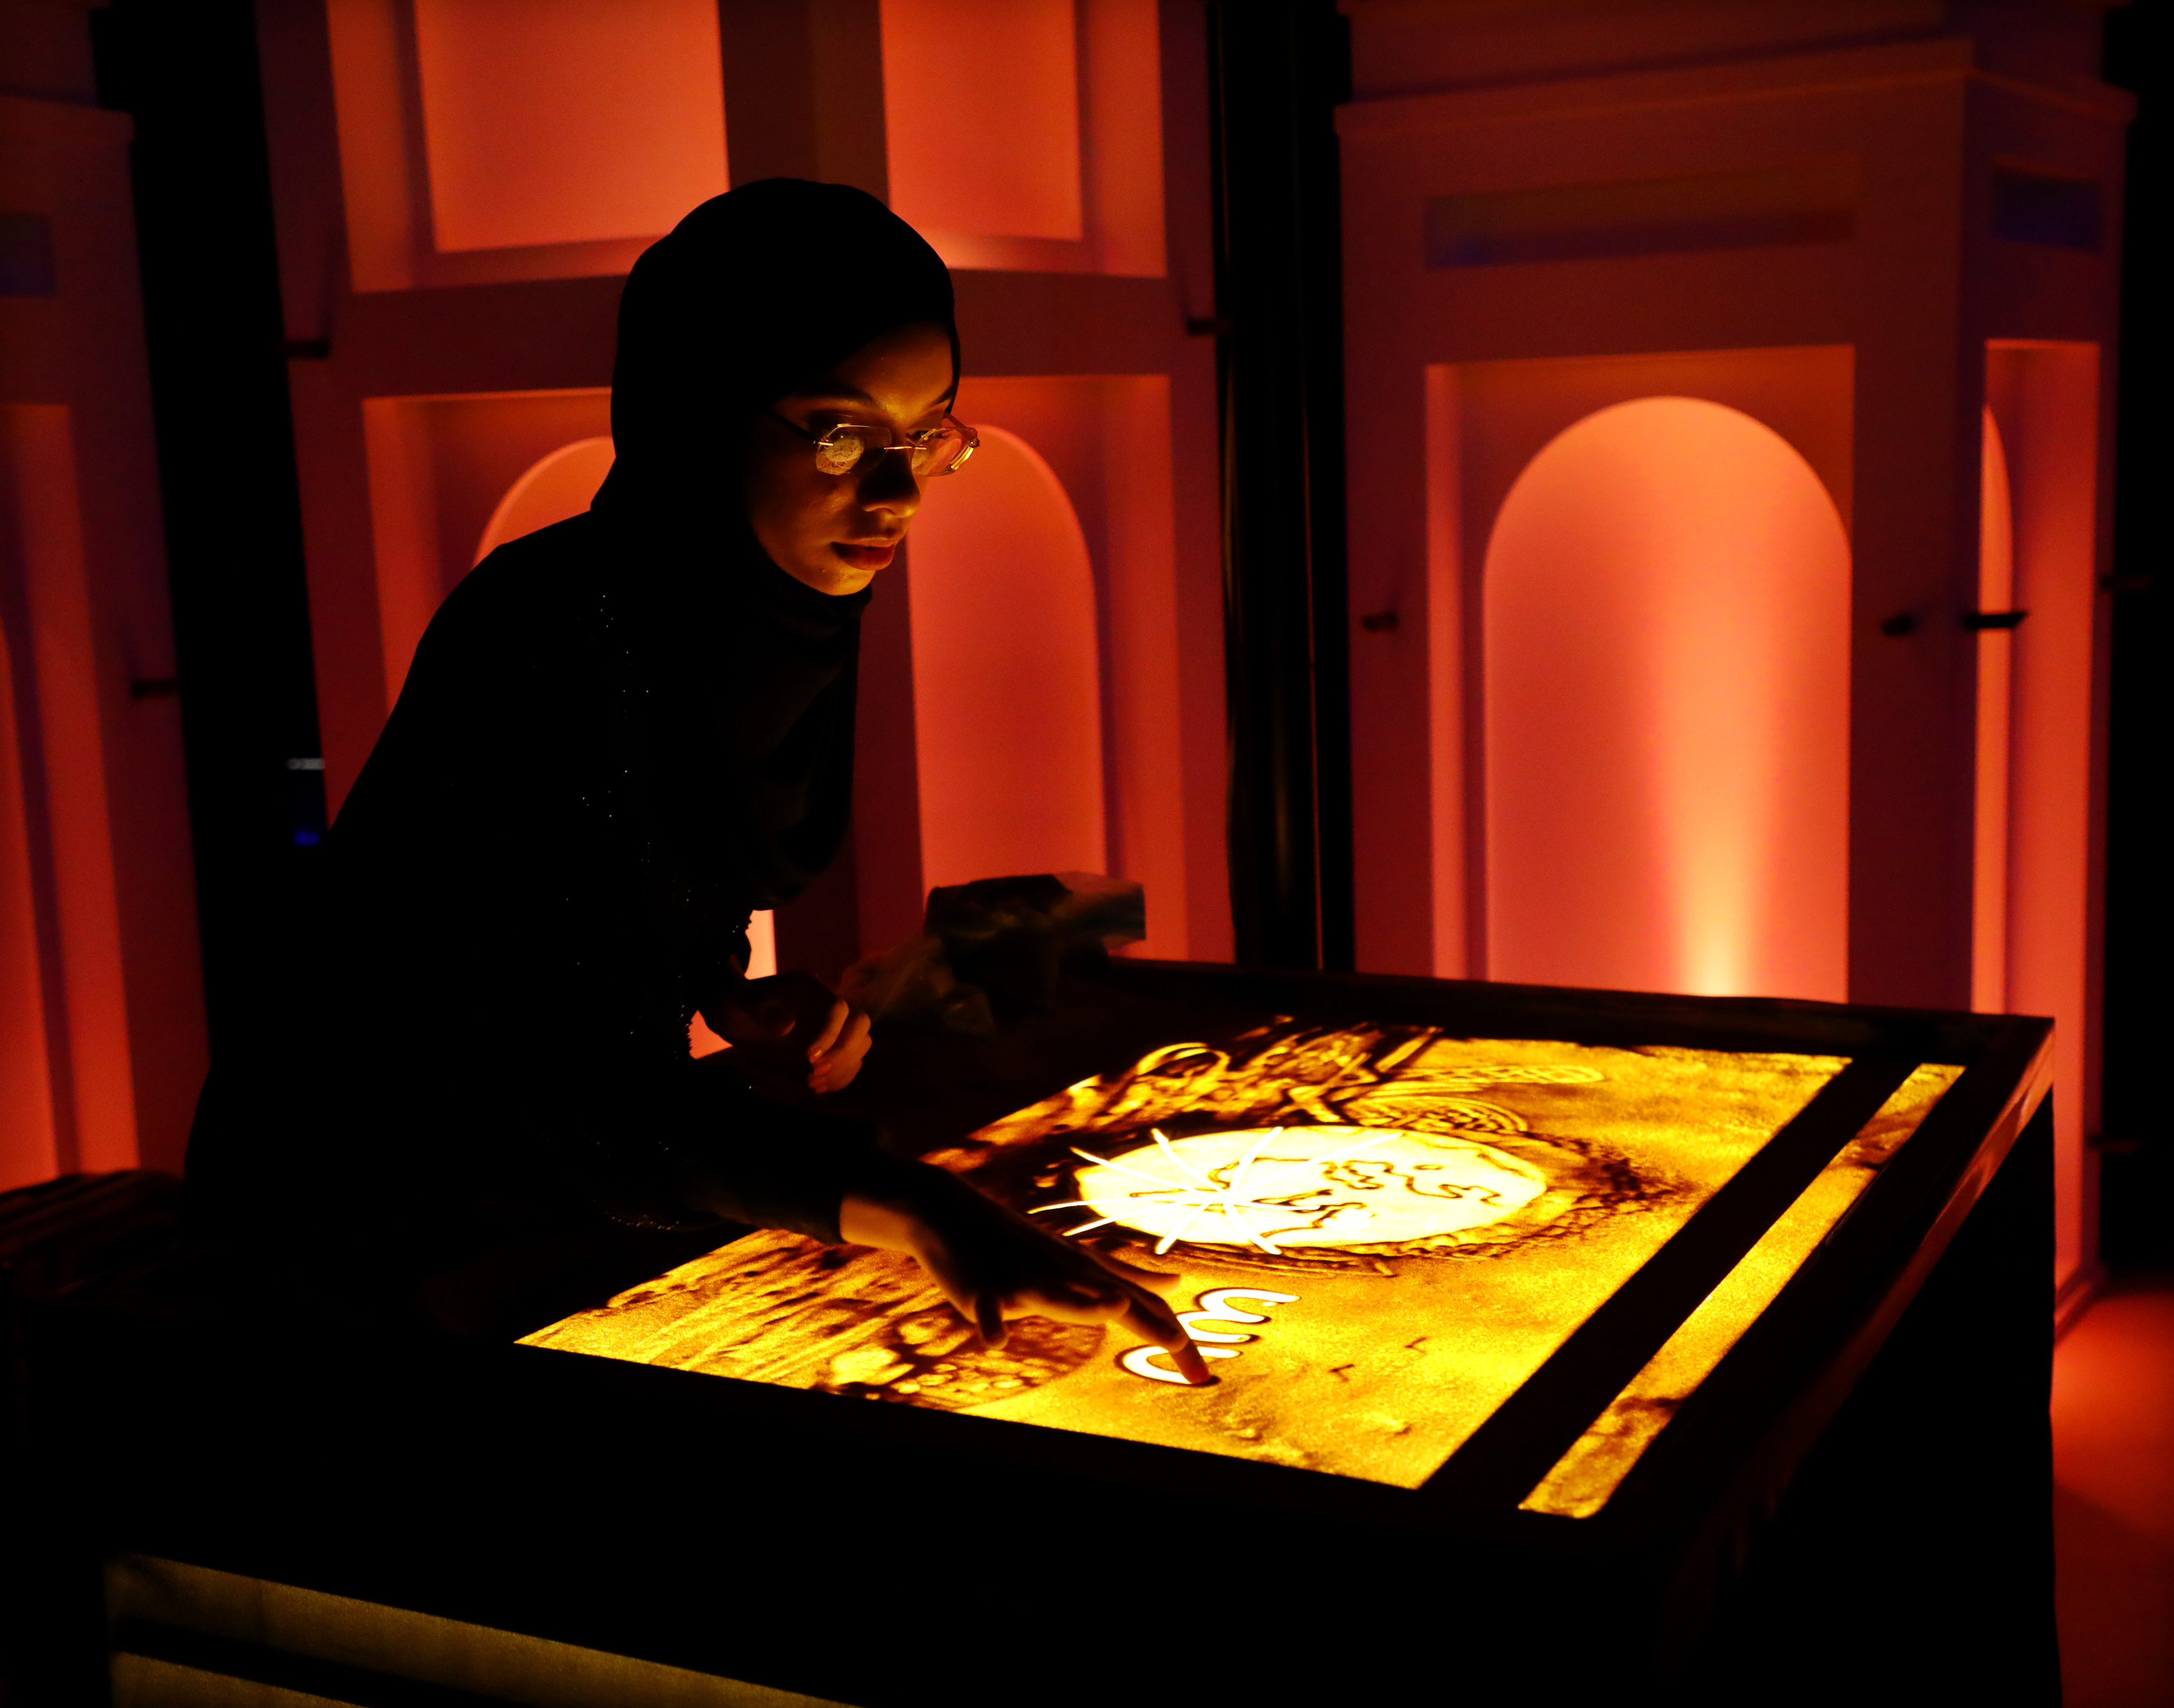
x=765 y=1013
x=992 y=1264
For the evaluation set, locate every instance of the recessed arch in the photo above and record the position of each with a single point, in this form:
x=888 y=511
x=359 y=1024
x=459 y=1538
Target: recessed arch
x=29 y=1148
x=552 y=489
x=1007 y=672
x=1666 y=622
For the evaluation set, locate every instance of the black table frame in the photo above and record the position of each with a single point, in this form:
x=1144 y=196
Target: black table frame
x=324 y=1469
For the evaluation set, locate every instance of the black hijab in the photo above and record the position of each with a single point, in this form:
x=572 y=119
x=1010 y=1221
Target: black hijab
x=741 y=676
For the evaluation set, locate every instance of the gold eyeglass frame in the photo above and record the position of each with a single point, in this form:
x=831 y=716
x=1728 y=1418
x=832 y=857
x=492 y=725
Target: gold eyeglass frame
x=913 y=442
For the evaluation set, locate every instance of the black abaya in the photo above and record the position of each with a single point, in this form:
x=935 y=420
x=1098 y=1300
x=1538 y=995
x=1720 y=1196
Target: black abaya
x=620 y=736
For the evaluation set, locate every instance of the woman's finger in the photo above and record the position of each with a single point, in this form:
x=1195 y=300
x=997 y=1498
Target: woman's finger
x=1141 y=1305
x=989 y=1319
x=1152 y=1319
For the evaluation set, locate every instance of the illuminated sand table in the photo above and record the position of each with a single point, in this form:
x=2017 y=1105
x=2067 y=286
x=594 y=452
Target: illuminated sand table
x=1381 y=1232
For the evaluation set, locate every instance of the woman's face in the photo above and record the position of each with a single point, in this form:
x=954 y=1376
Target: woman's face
x=834 y=531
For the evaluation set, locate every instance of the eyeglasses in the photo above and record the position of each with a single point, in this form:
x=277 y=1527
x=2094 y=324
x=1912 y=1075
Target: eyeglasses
x=943 y=449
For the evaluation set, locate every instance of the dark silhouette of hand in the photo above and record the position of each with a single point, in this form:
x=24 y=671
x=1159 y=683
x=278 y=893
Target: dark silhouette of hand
x=993 y=1264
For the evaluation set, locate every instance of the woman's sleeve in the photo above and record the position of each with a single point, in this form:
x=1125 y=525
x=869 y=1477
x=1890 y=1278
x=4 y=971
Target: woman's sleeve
x=651 y=1135
x=689 y=1143
x=559 y=902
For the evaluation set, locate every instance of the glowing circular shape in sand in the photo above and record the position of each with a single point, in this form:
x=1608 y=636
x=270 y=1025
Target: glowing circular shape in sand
x=1275 y=1187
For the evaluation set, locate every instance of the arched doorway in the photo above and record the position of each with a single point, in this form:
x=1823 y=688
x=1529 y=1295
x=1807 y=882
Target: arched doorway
x=553 y=489
x=1007 y=673
x=1666 y=617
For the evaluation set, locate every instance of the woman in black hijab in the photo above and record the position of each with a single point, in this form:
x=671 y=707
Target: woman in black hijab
x=620 y=737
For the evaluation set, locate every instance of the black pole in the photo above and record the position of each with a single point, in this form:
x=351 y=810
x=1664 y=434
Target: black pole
x=1279 y=68
x=201 y=176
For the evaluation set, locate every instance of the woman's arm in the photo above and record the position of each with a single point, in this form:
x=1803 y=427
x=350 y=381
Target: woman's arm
x=993 y=1264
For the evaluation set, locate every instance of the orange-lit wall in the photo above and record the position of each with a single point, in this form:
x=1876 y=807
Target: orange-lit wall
x=1996 y=657
x=549 y=121
x=1072 y=756
x=981 y=116
x=1108 y=440
x=1666 y=711
x=2045 y=399
x=1487 y=424
x=1007 y=673
x=28 y=1150
x=559 y=484
x=1523 y=201
x=502 y=139
x=440 y=469
x=102 y=1043
x=1027 y=134
x=64 y=798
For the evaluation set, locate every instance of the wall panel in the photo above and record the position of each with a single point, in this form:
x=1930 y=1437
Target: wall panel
x=559 y=122
x=95 y=797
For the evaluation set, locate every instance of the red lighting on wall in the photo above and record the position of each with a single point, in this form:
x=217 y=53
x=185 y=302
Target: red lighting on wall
x=981 y=114
x=71 y=1062
x=2044 y=403
x=1667 y=706
x=452 y=477
x=565 y=121
x=1026 y=135
x=1007 y=672
x=558 y=486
